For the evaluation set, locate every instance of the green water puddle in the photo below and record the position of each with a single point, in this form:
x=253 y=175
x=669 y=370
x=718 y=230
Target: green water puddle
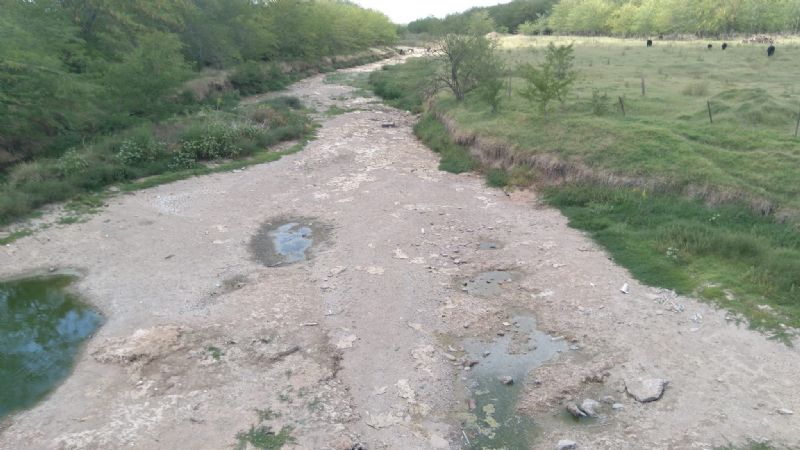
x=42 y=327
x=495 y=422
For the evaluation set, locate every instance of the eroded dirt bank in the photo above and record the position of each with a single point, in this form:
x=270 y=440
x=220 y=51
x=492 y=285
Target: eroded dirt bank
x=202 y=341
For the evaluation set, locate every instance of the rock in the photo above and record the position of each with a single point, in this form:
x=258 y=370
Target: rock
x=472 y=404
x=439 y=443
x=470 y=363
x=449 y=356
x=646 y=391
x=576 y=412
x=625 y=288
x=507 y=380
x=617 y=406
x=785 y=412
x=590 y=407
x=566 y=444
x=609 y=400
x=388 y=125
x=485 y=354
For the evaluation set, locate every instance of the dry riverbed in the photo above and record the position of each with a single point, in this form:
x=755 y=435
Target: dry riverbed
x=419 y=288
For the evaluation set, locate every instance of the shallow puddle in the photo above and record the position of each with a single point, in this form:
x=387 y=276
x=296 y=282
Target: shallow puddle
x=42 y=327
x=486 y=245
x=488 y=284
x=495 y=423
x=286 y=241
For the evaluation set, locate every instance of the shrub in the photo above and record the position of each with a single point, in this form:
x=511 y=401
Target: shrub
x=553 y=79
x=254 y=78
x=211 y=141
x=72 y=162
x=497 y=178
x=140 y=148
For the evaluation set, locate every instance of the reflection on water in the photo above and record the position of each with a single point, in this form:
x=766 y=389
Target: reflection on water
x=41 y=329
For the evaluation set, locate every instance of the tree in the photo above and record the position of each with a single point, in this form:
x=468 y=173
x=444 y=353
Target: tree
x=466 y=61
x=553 y=79
x=141 y=81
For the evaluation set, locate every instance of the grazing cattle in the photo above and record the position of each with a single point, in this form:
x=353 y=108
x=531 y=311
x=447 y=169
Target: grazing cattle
x=710 y=46
x=770 y=50
x=649 y=42
x=724 y=45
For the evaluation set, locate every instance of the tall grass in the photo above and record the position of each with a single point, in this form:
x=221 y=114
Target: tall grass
x=151 y=149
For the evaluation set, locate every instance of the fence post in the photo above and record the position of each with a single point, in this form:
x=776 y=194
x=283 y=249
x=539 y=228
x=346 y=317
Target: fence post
x=622 y=106
x=797 y=127
x=710 y=117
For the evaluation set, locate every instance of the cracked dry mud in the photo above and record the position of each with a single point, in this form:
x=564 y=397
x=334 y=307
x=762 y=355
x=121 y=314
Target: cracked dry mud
x=349 y=346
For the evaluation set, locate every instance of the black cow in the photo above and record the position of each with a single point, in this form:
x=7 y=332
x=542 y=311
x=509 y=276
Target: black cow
x=649 y=42
x=710 y=46
x=724 y=45
x=770 y=50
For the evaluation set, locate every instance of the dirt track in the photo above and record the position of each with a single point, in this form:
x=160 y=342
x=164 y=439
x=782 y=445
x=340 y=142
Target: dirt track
x=350 y=346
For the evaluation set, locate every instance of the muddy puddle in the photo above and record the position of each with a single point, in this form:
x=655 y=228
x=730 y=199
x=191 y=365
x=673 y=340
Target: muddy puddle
x=42 y=327
x=488 y=284
x=494 y=422
x=287 y=241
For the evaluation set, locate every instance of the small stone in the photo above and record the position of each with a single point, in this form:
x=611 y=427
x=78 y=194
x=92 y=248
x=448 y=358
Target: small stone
x=487 y=353
x=625 y=288
x=470 y=363
x=471 y=404
x=590 y=407
x=449 y=356
x=501 y=333
x=576 y=412
x=566 y=444
x=785 y=412
x=507 y=380
x=646 y=391
x=617 y=406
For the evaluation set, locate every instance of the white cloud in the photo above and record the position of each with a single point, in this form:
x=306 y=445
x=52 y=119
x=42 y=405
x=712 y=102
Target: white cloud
x=407 y=10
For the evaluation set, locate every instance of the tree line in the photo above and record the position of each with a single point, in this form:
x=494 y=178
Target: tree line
x=70 y=69
x=622 y=17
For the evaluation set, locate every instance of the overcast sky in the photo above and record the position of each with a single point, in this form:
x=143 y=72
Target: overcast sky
x=407 y=10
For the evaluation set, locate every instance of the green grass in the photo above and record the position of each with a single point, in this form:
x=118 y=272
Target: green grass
x=15 y=235
x=454 y=158
x=405 y=86
x=262 y=437
x=748 y=153
x=725 y=254
x=719 y=220
x=154 y=154
x=750 y=445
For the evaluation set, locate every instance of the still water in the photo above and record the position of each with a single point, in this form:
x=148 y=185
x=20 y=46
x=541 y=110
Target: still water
x=42 y=327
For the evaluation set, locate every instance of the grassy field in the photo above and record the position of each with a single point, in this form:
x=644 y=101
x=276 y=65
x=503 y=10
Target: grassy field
x=706 y=209
x=748 y=153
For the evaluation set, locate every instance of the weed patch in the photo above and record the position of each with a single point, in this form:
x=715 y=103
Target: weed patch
x=262 y=437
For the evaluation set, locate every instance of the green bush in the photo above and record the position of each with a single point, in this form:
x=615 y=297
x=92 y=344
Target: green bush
x=72 y=162
x=497 y=178
x=141 y=147
x=253 y=78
